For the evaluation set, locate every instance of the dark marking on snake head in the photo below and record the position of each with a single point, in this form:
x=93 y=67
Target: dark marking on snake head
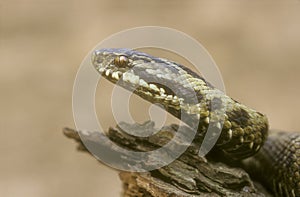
x=216 y=103
x=240 y=116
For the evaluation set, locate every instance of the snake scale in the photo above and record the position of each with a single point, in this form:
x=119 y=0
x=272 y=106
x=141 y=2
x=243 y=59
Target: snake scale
x=274 y=158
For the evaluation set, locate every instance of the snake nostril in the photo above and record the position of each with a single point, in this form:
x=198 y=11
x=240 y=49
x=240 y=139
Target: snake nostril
x=98 y=57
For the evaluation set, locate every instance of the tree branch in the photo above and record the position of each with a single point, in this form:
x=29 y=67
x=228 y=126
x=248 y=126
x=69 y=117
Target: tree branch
x=188 y=175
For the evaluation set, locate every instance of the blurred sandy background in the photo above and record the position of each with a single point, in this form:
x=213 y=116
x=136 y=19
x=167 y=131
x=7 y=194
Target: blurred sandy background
x=42 y=43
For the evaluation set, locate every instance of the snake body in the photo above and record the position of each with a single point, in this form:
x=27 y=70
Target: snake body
x=277 y=163
x=183 y=92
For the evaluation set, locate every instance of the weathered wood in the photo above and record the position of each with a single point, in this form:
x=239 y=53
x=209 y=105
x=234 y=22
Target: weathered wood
x=188 y=175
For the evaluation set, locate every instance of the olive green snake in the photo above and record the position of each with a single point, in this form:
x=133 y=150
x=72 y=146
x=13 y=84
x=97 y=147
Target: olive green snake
x=274 y=157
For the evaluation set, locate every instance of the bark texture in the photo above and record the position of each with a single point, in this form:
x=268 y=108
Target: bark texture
x=188 y=175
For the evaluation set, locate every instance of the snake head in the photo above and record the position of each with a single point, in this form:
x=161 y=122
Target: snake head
x=153 y=77
x=117 y=63
x=140 y=69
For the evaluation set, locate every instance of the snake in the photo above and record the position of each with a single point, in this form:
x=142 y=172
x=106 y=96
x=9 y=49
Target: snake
x=244 y=132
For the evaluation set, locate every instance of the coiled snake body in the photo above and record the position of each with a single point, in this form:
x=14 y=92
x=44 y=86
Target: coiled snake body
x=244 y=131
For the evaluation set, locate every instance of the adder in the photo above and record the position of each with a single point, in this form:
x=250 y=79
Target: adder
x=244 y=132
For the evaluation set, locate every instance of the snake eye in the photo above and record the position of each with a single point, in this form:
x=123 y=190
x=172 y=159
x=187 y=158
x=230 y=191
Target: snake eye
x=121 y=61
